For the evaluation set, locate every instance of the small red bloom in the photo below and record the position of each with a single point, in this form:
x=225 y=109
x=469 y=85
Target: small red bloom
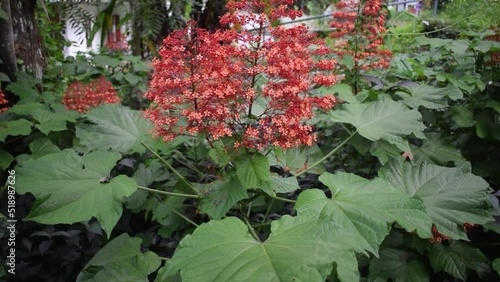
x=246 y=85
x=3 y=102
x=82 y=97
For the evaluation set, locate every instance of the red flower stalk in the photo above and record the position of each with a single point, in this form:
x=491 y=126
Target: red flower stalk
x=82 y=97
x=359 y=25
x=3 y=102
x=245 y=85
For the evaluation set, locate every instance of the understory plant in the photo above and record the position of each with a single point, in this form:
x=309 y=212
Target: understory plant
x=267 y=156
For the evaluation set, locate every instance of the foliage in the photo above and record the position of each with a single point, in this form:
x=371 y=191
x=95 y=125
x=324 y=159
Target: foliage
x=407 y=164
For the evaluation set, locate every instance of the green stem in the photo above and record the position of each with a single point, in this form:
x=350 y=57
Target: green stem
x=281 y=199
x=259 y=225
x=171 y=168
x=165 y=259
x=185 y=218
x=335 y=150
x=252 y=231
x=167 y=193
x=266 y=214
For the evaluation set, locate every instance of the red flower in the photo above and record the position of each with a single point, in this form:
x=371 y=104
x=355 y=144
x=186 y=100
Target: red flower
x=3 y=102
x=359 y=28
x=82 y=97
x=244 y=85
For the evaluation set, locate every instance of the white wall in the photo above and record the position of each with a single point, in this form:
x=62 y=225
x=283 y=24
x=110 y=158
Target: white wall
x=75 y=39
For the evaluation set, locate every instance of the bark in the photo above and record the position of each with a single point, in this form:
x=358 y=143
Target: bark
x=7 y=52
x=27 y=39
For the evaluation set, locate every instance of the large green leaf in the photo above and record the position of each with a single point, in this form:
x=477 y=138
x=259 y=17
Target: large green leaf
x=253 y=171
x=452 y=196
x=14 y=128
x=364 y=209
x=120 y=260
x=430 y=97
x=436 y=150
x=457 y=258
x=224 y=250
x=382 y=119
x=70 y=188
x=217 y=198
x=396 y=265
x=114 y=127
x=145 y=176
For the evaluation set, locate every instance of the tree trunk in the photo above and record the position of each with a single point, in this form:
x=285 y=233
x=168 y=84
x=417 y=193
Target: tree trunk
x=27 y=39
x=7 y=52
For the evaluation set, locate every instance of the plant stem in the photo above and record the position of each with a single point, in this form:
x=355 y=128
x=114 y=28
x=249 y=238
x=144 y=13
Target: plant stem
x=281 y=199
x=266 y=214
x=167 y=193
x=171 y=168
x=185 y=218
x=250 y=228
x=165 y=259
x=327 y=155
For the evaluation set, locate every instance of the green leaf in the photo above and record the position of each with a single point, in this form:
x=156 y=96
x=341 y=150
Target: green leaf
x=429 y=96
x=106 y=61
x=219 y=155
x=49 y=121
x=462 y=116
x=253 y=171
x=382 y=119
x=14 y=128
x=279 y=184
x=218 y=197
x=348 y=61
x=396 y=265
x=436 y=150
x=3 y=76
x=132 y=78
x=115 y=127
x=120 y=260
x=42 y=146
x=364 y=209
x=224 y=250
x=456 y=258
x=451 y=196
x=5 y=159
x=385 y=151
x=145 y=176
x=71 y=188
x=296 y=160
x=496 y=265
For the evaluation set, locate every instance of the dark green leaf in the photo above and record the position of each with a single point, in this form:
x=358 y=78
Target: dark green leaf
x=253 y=171
x=218 y=197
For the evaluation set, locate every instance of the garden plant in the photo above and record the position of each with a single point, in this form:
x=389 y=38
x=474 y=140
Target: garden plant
x=259 y=152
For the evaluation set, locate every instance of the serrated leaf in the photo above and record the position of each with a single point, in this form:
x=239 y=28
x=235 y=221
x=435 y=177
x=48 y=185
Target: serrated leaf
x=429 y=97
x=296 y=160
x=384 y=151
x=462 y=116
x=382 y=119
x=120 y=260
x=106 y=61
x=217 y=197
x=253 y=171
x=49 y=121
x=14 y=128
x=114 y=127
x=42 y=146
x=69 y=188
x=279 y=184
x=437 y=151
x=5 y=159
x=364 y=209
x=456 y=258
x=451 y=196
x=132 y=78
x=145 y=176
x=224 y=250
x=496 y=265
x=396 y=265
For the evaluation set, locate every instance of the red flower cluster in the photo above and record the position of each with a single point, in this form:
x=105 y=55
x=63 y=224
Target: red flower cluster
x=3 y=102
x=117 y=42
x=438 y=237
x=359 y=25
x=253 y=87
x=82 y=97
